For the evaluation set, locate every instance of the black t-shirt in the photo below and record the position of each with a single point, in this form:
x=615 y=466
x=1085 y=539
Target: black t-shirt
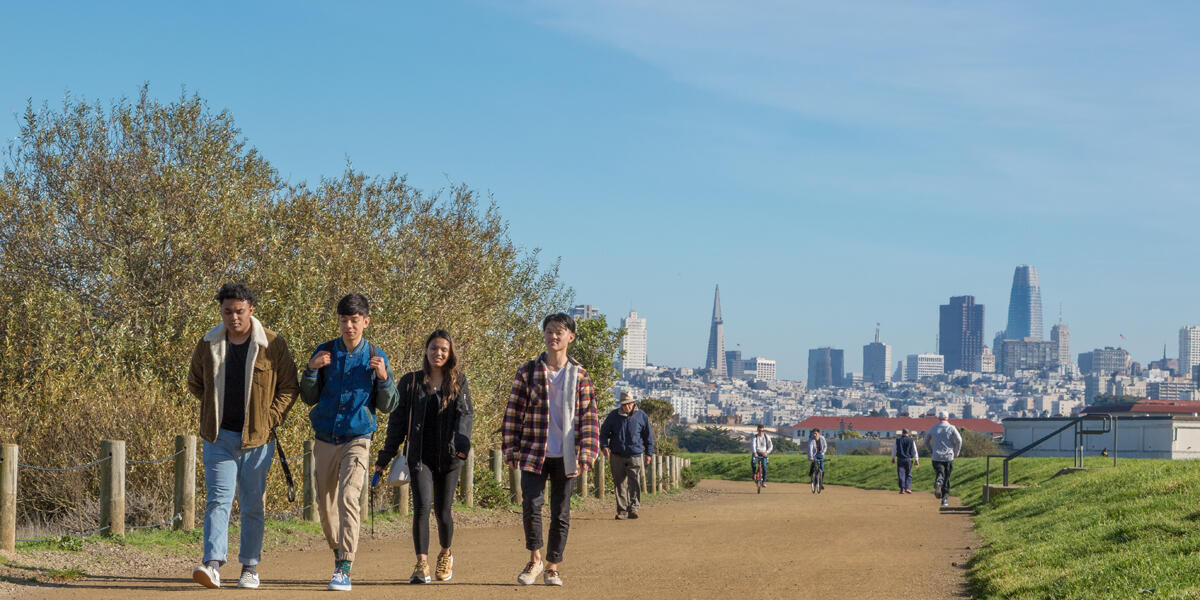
x=233 y=418
x=431 y=439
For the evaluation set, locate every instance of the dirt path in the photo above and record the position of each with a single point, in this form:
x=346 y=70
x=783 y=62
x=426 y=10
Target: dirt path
x=731 y=543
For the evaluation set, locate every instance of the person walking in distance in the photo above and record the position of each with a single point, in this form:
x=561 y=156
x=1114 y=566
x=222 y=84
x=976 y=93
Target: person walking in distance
x=245 y=378
x=945 y=443
x=760 y=449
x=904 y=456
x=435 y=416
x=628 y=442
x=817 y=447
x=550 y=432
x=347 y=380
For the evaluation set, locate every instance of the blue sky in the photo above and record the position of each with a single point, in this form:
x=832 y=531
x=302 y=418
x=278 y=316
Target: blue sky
x=830 y=165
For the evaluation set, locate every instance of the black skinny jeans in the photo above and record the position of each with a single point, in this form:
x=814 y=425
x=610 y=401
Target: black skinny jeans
x=533 y=494
x=434 y=490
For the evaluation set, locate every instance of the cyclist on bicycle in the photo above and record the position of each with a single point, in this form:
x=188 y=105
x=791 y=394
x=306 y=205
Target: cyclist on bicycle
x=760 y=447
x=817 y=446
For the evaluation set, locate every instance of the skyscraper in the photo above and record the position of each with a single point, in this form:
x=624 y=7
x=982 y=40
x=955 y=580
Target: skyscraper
x=960 y=338
x=825 y=367
x=1024 y=305
x=877 y=357
x=734 y=364
x=634 y=342
x=1061 y=336
x=716 y=339
x=1189 y=350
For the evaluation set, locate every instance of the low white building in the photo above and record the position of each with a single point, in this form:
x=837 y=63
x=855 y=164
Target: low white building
x=1157 y=436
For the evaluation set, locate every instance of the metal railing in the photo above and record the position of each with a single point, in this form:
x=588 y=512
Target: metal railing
x=1109 y=426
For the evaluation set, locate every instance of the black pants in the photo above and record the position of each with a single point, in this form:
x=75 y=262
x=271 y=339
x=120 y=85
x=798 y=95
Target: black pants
x=941 y=471
x=533 y=495
x=434 y=489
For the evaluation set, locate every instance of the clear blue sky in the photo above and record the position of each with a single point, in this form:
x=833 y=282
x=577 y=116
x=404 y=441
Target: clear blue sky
x=829 y=165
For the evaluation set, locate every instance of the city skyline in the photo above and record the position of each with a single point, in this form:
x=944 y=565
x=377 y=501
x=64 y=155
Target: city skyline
x=829 y=169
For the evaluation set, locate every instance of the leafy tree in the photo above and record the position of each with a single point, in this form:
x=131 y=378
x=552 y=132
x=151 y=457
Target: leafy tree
x=597 y=348
x=117 y=225
x=710 y=438
x=849 y=434
x=785 y=444
x=660 y=412
x=977 y=444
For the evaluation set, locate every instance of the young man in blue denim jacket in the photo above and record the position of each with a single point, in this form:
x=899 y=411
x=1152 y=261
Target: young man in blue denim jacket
x=346 y=381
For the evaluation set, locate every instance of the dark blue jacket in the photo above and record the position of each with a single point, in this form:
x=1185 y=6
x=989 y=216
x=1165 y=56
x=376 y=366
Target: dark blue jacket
x=345 y=394
x=906 y=448
x=627 y=435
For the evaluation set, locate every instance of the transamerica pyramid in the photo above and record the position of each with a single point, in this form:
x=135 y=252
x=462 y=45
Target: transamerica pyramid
x=716 y=340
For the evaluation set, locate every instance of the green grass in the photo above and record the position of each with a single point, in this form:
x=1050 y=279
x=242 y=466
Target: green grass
x=1127 y=532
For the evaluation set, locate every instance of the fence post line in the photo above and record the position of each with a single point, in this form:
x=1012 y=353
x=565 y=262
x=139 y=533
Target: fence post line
x=185 y=482
x=467 y=482
x=498 y=465
x=8 y=496
x=112 y=487
x=310 y=473
x=600 y=466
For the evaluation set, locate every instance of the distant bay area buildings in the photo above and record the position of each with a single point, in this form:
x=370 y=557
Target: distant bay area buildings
x=1021 y=375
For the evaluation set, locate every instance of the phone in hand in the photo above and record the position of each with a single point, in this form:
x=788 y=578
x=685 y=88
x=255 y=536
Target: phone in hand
x=375 y=478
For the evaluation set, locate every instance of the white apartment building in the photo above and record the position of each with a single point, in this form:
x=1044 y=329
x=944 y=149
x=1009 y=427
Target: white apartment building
x=921 y=366
x=759 y=368
x=634 y=342
x=1189 y=350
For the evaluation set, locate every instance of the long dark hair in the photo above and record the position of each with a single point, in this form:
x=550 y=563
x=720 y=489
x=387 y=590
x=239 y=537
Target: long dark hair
x=450 y=372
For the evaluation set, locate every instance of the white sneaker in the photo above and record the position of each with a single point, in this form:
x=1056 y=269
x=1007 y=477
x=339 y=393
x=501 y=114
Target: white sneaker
x=529 y=575
x=248 y=580
x=552 y=578
x=206 y=576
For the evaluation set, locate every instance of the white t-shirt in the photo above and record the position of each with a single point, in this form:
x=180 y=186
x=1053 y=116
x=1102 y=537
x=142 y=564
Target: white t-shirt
x=554 y=442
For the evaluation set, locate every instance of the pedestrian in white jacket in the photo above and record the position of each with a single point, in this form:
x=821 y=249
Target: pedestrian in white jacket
x=945 y=443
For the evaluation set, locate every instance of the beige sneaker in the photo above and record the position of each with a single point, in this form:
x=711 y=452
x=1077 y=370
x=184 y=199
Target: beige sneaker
x=445 y=567
x=552 y=578
x=420 y=573
x=529 y=575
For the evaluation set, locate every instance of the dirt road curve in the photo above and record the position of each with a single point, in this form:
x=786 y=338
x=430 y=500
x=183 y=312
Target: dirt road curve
x=733 y=543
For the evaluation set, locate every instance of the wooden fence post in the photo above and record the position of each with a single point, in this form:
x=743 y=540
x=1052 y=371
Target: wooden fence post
x=185 y=482
x=498 y=466
x=8 y=496
x=601 y=464
x=364 y=495
x=585 y=478
x=678 y=472
x=309 y=497
x=644 y=479
x=400 y=498
x=652 y=475
x=514 y=485
x=112 y=487
x=669 y=470
x=467 y=482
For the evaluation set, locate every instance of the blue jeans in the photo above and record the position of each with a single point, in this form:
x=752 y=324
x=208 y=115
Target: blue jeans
x=227 y=467
x=818 y=460
x=761 y=459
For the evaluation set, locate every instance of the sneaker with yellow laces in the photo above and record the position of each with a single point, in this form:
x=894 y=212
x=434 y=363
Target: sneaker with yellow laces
x=445 y=567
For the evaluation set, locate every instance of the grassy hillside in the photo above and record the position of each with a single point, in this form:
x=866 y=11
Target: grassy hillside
x=1127 y=532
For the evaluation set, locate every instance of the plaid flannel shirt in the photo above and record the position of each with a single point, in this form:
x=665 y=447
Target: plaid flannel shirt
x=526 y=428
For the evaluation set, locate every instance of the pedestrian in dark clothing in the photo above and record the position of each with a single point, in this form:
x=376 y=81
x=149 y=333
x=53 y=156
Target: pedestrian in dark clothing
x=904 y=456
x=628 y=442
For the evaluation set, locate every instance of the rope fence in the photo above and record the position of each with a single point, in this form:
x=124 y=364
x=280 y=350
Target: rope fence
x=62 y=469
x=153 y=461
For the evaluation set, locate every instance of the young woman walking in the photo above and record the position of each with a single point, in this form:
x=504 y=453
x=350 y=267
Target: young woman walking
x=435 y=418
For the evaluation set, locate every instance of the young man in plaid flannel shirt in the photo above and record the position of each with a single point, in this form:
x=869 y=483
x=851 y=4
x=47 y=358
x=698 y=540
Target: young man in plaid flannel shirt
x=551 y=431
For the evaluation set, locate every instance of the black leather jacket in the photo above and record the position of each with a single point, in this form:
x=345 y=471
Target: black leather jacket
x=454 y=425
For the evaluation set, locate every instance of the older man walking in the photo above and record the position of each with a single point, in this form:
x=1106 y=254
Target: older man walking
x=628 y=442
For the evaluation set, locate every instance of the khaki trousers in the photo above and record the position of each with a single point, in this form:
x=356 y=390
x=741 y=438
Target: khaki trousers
x=627 y=481
x=339 y=478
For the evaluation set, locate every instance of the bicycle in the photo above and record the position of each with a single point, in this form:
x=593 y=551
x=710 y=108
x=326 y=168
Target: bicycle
x=818 y=476
x=758 y=474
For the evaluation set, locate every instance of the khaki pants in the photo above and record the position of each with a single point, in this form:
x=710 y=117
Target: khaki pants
x=339 y=478
x=627 y=481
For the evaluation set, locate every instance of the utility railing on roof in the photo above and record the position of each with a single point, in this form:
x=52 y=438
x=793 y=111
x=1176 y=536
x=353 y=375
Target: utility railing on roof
x=1109 y=426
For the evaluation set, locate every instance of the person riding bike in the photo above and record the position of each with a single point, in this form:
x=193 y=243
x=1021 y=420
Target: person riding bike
x=760 y=447
x=817 y=446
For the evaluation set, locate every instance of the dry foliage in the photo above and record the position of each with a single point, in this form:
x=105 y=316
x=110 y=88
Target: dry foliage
x=117 y=225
